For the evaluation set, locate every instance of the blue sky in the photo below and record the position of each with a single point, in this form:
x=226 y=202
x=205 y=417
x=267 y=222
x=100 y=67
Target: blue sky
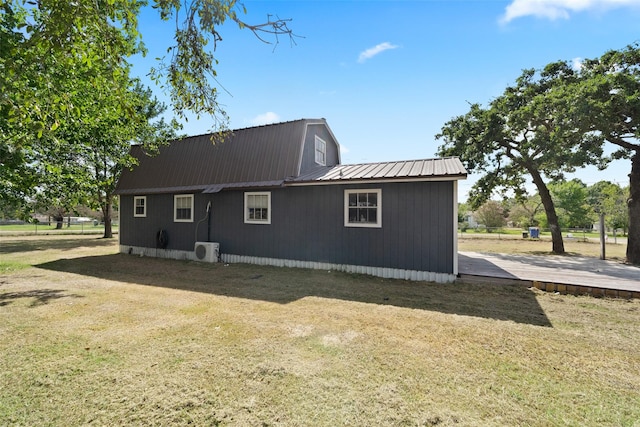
x=388 y=74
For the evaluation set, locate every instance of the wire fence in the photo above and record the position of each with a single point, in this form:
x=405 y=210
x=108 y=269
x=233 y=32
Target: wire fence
x=18 y=228
x=569 y=234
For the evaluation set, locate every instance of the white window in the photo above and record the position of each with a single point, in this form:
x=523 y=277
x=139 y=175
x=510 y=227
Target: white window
x=183 y=208
x=257 y=208
x=321 y=151
x=363 y=208
x=140 y=206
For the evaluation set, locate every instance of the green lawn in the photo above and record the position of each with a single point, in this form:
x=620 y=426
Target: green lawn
x=28 y=229
x=92 y=337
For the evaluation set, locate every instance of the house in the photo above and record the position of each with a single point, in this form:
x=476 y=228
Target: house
x=278 y=195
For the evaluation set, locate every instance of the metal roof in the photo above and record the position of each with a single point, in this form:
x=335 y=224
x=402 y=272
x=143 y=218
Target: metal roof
x=262 y=156
x=444 y=168
x=250 y=155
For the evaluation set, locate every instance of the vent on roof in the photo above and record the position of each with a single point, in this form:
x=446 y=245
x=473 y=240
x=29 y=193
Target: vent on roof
x=207 y=251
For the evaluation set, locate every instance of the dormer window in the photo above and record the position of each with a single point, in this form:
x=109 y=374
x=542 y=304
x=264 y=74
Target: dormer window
x=321 y=151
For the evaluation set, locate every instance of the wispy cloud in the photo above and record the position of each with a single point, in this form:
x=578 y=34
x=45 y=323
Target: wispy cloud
x=576 y=63
x=265 y=118
x=558 y=9
x=373 y=51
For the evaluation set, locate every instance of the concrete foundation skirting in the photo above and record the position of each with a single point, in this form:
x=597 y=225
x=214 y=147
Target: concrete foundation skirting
x=387 y=273
x=158 y=253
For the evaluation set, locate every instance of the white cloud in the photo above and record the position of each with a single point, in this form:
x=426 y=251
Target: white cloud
x=265 y=119
x=576 y=63
x=558 y=9
x=373 y=51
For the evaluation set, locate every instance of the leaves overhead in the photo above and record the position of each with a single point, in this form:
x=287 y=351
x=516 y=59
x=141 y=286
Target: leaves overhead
x=65 y=88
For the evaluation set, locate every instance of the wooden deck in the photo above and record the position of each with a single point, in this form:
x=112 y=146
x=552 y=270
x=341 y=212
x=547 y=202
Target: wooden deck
x=577 y=275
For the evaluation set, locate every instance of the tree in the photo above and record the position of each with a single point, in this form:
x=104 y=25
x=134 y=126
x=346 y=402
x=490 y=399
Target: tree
x=529 y=129
x=97 y=148
x=611 y=200
x=53 y=50
x=491 y=214
x=609 y=94
x=570 y=198
x=523 y=211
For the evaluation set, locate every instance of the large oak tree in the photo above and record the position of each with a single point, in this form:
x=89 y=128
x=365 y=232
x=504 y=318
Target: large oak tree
x=608 y=93
x=528 y=130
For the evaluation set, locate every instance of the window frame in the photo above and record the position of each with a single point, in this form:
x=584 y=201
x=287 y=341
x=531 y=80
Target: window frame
x=144 y=207
x=175 y=207
x=378 y=223
x=319 y=142
x=248 y=220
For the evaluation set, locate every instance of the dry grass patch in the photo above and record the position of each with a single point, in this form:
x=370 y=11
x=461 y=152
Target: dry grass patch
x=539 y=247
x=89 y=336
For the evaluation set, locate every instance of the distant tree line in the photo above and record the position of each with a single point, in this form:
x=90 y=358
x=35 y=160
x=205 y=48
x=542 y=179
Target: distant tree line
x=578 y=206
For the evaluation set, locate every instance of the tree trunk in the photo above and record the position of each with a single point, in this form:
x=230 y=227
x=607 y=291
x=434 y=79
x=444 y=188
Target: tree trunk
x=550 y=211
x=106 y=213
x=633 y=245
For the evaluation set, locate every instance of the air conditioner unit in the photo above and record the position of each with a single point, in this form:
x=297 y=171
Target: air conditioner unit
x=207 y=251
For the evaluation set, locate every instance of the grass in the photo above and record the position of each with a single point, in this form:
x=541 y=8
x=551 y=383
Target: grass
x=539 y=247
x=517 y=232
x=44 y=229
x=88 y=336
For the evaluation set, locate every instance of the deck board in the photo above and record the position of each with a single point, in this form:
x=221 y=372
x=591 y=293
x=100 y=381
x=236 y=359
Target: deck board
x=566 y=270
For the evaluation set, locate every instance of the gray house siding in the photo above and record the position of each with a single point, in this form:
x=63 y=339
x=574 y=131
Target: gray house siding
x=143 y=231
x=307 y=224
x=308 y=154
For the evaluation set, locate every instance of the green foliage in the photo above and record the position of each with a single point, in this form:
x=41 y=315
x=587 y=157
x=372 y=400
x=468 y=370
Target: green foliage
x=611 y=200
x=524 y=212
x=551 y=122
x=68 y=107
x=491 y=214
x=570 y=198
x=609 y=95
x=529 y=130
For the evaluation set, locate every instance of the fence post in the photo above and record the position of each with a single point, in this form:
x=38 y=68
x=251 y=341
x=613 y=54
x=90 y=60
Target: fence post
x=602 y=234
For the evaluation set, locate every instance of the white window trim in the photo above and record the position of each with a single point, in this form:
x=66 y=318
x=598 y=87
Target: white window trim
x=378 y=224
x=321 y=142
x=135 y=213
x=246 y=208
x=175 y=207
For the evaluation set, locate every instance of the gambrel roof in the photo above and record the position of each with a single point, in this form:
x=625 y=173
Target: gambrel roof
x=253 y=156
x=265 y=156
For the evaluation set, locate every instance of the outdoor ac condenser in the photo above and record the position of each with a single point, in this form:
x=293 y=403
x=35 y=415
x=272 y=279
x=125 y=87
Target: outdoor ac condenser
x=207 y=251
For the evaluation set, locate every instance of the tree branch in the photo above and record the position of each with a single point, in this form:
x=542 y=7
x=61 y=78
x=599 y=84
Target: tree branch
x=622 y=143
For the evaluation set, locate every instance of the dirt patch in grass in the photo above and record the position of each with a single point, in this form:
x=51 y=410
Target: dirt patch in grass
x=89 y=336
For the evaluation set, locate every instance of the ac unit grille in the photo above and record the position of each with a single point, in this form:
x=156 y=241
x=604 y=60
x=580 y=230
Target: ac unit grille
x=206 y=251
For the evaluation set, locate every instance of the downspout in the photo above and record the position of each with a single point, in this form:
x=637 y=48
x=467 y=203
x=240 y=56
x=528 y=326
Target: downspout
x=209 y=221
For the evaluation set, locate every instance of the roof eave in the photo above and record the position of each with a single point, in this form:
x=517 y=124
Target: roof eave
x=376 y=180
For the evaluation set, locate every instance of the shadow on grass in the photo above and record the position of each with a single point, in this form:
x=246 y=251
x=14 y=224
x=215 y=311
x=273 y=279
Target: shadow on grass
x=285 y=285
x=61 y=244
x=40 y=296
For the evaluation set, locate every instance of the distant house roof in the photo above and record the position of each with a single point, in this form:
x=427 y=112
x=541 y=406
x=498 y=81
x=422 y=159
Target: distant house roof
x=262 y=156
x=443 y=168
